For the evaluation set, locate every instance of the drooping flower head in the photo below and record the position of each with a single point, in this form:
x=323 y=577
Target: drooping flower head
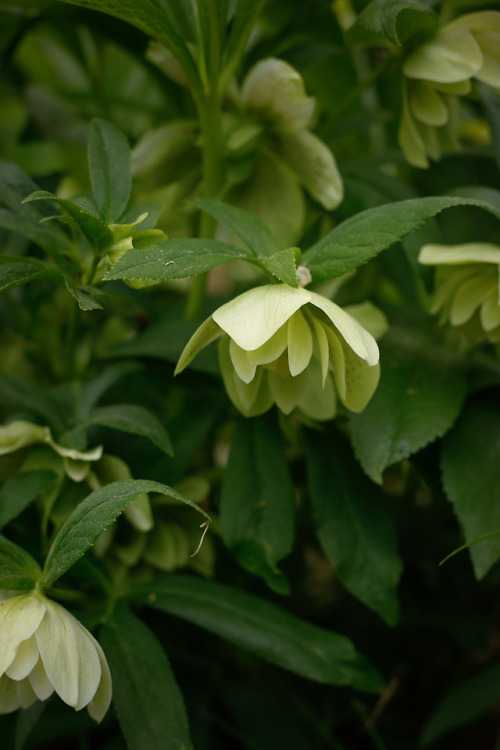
x=437 y=72
x=44 y=649
x=291 y=347
x=467 y=286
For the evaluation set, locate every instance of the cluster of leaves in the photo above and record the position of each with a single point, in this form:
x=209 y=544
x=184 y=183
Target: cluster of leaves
x=321 y=542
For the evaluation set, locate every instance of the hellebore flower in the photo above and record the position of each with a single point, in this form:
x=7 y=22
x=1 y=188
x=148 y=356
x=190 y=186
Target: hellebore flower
x=438 y=71
x=43 y=649
x=291 y=347
x=467 y=286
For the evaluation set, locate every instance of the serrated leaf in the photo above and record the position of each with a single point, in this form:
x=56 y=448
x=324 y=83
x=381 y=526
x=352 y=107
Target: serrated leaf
x=109 y=165
x=469 y=461
x=365 y=235
x=46 y=235
x=400 y=21
x=134 y=419
x=353 y=524
x=95 y=230
x=262 y=628
x=257 y=504
x=150 y=711
x=92 y=516
x=464 y=703
x=82 y=295
x=175 y=259
x=23 y=270
x=417 y=400
x=19 y=491
x=18 y=570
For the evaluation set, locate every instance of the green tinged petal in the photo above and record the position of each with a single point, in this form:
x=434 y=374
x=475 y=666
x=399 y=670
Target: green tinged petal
x=453 y=55
x=490 y=313
x=203 y=336
x=272 y=349
x=252 y=399
x=20 y=434
x=318 y=401
x=239 y=357
x=287 y=392
x=470 y=252
x=426 y=104
x=469 y=296
x=300 y=343
x=359 y=340
x=20 y=617
x=361 y=381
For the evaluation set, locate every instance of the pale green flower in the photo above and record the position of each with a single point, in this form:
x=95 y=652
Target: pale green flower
x=21 y=434
x=43 y=649
x=467 y=286
x=291 y=347
x=437 y=72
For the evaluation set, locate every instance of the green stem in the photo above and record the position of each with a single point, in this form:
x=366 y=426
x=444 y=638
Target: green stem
x=209 y=112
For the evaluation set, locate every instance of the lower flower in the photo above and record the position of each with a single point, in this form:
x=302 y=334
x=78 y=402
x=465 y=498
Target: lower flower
x=291 y=347
x=44 y=649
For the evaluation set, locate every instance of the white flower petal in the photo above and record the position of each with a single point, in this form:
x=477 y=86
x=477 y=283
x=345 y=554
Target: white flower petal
x=252 y=399
x=19 y=434
x=300 y=343
x=76 y=470
x=101 y=701
x=9 y=699
x=90 y=665
x=253 y=317
x=468 y=297
x=490 y=313
x=323 y=348
x=409 y=137
x=359 y=340
x=25 y=659
x=427 y=105
x=453 y=55
x=361 y=381
x=42 y=687
x=25 y=693
x=337 y=361
x=448 y=279
x=469 y=252
x=318 y=401
x=239 y=357
x=272 y=349
x=20 y=616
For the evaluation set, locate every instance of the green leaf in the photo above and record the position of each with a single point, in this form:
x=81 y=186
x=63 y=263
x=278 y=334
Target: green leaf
x=175 y=259
x=418 y=398
x=133 y=419
x=23 y=270
x=92 y=516
x=469 y=462
x=262 y=628
x=400 y=21
x=96 y=388
x=153 y=18
x=464 y=703
x=354 y=525
x=18 y=570
x=46 y=235
x=150 y=710
x=95 y=230
x=365 y=235
x=245 y=15
x=19 y=491
x=257 y=503
x=109 y=165
x=83 y=295
x=251 y=230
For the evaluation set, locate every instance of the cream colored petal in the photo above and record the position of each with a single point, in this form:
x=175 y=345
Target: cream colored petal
x=490 y=313
x=431 y=141
x=286 y=392
x=448 y=280
x=469 y=252
x=490 y=71
x=486 y=21
x=318 y=401
x=300 y=343
x=272 y=349
x=68 y=656
x=359 y=340
x=42 y=687
x=460 y=88
x=20 y=616
x=323 y=348
x=453 y=55
x=91 y=455
x=25 y=659
x=76 y=470
x=253 y=317
x=409 y=137
x=276 y=91
x=427 y=105
x=239 y=357
x=208 y=331
x=9 y=699
x=19 y=434
x=25 y=693
x=370 y=317
x=315 y=166
x=252 y=399
x=468 y=297
x=101 y=701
